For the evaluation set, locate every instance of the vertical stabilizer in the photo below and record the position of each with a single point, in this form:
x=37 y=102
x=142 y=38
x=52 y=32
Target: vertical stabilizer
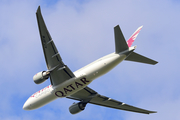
x=120 y=42
x=133 y=36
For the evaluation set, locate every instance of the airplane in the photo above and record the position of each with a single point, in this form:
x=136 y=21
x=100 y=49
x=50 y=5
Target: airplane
x=74 y=85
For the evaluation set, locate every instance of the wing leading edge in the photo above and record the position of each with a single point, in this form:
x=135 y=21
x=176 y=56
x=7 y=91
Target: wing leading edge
x=59 y=71
x=90 y=96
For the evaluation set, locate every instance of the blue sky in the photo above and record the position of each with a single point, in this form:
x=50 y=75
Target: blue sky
x=83 y=32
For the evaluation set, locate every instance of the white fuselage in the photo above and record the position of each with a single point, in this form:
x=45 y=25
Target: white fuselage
x=84 y=77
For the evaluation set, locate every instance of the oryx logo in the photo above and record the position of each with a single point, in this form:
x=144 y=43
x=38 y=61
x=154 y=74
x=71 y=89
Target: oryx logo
x=133 y=37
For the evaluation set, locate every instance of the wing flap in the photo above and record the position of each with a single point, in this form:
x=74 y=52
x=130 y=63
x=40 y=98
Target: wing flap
x=84 y=94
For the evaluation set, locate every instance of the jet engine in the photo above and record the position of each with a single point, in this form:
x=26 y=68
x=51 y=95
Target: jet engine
x=40 y=77
x=77 y=107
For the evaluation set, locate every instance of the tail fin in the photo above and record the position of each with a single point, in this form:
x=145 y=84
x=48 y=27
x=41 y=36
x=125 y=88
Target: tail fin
x=133 y=37
x=121 y=45
x=120 y=42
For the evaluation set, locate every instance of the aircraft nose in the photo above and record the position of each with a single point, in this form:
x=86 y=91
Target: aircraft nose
x=27 y=106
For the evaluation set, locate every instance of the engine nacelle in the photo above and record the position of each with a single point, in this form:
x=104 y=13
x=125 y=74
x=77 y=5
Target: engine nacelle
x=40 y=77
x=77 y=107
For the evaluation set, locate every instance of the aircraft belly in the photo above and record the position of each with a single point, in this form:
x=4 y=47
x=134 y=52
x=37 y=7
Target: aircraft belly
x=103 y=66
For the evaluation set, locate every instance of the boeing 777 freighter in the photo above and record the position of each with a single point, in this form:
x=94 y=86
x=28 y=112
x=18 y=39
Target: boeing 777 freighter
x=73 y=85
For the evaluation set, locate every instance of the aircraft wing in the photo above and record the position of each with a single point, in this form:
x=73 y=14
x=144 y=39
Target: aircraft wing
x=59 y=71
x=91 y=96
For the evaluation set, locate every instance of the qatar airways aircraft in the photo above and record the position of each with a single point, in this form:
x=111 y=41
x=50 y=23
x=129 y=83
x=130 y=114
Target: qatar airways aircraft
x=73 y=85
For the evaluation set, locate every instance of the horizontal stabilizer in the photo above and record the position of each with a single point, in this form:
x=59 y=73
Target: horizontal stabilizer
x=139 y=58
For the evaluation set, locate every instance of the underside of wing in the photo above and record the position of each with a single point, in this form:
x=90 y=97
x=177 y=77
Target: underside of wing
x=108 y=102
x=139 y=58
x=90 y=96
x=59 y=71
x=51 y=54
